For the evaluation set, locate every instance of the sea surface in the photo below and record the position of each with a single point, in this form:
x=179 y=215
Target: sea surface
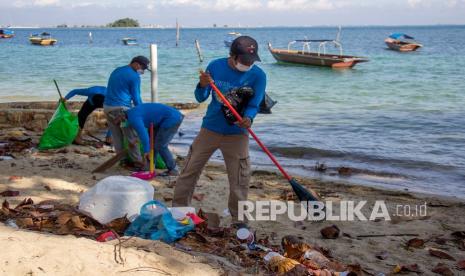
x=398 y=120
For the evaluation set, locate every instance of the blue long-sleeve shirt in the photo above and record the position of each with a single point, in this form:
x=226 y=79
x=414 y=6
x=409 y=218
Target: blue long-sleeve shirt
x=160 y=115
x=88 y=92
x=123 y=88
x=225 y=79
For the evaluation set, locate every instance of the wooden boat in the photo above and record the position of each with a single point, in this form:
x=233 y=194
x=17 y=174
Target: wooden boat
x=319 y=58
x=129 y=41
x=307 y=57
x=6 y=34
x=44 y=39
x=402 y=43
x=230 y=38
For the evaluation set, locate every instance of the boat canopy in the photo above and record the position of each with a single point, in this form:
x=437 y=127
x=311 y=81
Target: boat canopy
x=7 y=32
x=400 y=35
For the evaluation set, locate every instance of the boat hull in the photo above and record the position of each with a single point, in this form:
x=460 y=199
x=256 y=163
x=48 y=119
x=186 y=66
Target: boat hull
x=402 y=46
x=6 y=36
x=42 y=42
x=315 y=59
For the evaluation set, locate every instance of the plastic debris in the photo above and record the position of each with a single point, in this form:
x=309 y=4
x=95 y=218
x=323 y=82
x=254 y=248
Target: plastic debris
x=114 y=197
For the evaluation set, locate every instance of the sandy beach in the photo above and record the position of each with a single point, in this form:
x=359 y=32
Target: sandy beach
x=63 y=175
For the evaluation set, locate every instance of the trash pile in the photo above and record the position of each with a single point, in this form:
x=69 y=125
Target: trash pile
x=292 y=257
x=14 y=145
x=122 y=205
x=57 y=218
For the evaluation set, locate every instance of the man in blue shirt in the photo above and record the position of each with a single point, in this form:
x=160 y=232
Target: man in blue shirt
x=166 y=121
x=123 y=91
x=95 y=97
x=216 y=133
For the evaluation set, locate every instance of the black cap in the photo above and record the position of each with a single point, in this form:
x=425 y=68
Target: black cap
x=143 y=61
x=246 y=48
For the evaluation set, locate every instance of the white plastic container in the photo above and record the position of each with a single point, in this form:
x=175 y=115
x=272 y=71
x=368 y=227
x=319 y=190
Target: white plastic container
x=116 y=196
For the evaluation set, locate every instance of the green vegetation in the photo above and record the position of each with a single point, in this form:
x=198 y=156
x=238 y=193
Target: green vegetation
x=124 y=22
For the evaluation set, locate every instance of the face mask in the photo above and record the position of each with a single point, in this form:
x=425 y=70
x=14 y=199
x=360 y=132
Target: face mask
x=241 y=67
x=140 y=71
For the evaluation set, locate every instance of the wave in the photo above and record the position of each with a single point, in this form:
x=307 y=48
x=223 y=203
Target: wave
x=315 y=153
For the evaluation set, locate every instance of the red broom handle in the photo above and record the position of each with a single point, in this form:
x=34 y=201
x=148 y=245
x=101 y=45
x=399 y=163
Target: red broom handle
x=239 y=118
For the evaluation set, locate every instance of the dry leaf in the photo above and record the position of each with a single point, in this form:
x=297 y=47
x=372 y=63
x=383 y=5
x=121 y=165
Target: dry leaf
x=198 y=197
x=119 y=224
x=9 y=193
x=25 y=202
x=406 y=268
x=461 y=265
x=440 y=254
x=330 y=232
x=415 y=243
x=24 y=222
x=442 y=269
x=63 y=218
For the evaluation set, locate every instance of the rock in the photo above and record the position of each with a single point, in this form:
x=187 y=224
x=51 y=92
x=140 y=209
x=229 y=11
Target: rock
x=39 y=116
x=116 y=196
x=330 y=232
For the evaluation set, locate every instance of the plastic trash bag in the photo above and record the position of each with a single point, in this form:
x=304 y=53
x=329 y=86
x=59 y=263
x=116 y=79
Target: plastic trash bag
x=114 y=197
x=155 y=222
x=61 y=130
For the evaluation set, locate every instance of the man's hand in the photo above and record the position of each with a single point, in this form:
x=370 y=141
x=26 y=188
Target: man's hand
x=245 y=123
x=204 y=79
x=147 y=157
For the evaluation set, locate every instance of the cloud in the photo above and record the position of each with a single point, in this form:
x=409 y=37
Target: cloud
x=313 y=5
x=45 y=2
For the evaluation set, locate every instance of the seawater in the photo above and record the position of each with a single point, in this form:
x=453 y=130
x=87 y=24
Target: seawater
x=397 y=120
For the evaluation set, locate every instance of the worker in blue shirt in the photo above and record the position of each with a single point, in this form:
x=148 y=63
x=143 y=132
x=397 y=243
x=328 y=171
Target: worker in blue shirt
x=166 y=121
x=95 y=97
x=123 y=92
x=238 y=70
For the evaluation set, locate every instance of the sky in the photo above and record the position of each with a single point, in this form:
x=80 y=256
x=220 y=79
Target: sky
x=258 y=13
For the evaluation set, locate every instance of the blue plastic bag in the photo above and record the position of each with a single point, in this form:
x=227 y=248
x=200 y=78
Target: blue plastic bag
x=155 y=222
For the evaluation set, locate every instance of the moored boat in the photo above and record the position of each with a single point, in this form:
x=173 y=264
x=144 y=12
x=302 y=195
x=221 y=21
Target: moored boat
x=319 y=58
x=402 y=42
x=44 y=39
x=7 y=34
x=230 y=38
x=129 y=41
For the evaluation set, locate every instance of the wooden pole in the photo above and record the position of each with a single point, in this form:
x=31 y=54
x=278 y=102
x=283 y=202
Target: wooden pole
x=154 y=72
x=199 y=52
x=177 y=33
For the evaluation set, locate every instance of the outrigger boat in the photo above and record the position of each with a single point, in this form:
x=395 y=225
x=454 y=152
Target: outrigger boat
x=44 y=39
x=6 y=34
x=129 y=41
x=230 y=38
x=319 y=58
x=402 y=42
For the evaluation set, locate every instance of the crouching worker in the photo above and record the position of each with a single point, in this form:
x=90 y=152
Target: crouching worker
x=217 y=132
x=95 y=97
x=166 y=121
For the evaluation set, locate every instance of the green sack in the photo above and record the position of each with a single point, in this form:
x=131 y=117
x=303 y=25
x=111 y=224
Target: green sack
x=61 y=129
